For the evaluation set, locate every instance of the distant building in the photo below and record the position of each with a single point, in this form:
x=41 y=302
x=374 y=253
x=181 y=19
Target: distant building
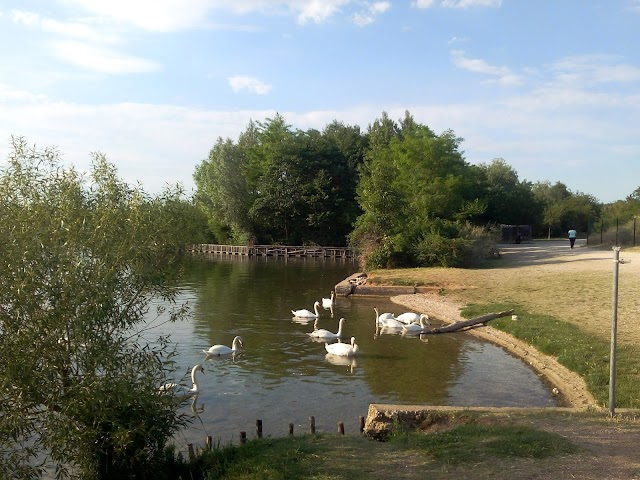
x=516 y=233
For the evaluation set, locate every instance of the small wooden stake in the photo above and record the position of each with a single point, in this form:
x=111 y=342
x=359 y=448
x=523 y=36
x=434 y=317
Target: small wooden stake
x=341 y=428
x=312 y=424
x=209 y=443
x=243 y=437
x=291 y=429
x=259 y=428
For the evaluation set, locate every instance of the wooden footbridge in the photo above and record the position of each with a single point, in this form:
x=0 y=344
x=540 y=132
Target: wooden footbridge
x=272 y=250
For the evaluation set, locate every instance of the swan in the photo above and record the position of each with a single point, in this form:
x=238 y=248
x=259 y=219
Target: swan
x=181 y=391
x=415 y=328
x=342 y=349
x=380 y=317
x=387 y=321
x=304 y=313
x=322 y=333
x=218 y=350
x=327 y=303
x=411 y=317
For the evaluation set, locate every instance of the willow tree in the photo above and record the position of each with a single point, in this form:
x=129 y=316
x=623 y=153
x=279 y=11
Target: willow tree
x=81 y=261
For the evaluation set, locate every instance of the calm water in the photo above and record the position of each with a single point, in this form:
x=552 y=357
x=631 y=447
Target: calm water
x=285 y=377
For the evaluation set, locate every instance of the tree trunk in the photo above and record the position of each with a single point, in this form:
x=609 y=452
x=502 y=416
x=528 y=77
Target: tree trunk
x=468 y=323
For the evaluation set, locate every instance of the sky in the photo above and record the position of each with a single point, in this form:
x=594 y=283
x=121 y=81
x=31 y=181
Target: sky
x=550 y=86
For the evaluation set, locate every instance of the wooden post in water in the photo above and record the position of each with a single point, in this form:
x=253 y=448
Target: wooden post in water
x=361 y=424
x=209 y=443
x=291 y=429
x=243 y=437
x=341 y=428
x=259 y=428
x=312 y=424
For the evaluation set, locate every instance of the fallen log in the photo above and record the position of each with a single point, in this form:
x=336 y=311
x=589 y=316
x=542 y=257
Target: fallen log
x=452 y=327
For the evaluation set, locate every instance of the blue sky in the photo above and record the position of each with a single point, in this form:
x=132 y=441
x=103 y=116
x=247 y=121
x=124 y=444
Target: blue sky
x=550 y=86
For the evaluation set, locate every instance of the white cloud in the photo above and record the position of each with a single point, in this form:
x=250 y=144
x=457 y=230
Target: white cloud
x=501 y=75
x=423 y=3
x=456 y=3
x=471 y=3
x=241 y=83
x=594 y=69
x=369 y=15
x=100 y=59
x=74 y=29
x=317 y=11
x=151 y=15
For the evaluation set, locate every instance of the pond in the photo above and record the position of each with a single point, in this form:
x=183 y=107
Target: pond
x=284 y=376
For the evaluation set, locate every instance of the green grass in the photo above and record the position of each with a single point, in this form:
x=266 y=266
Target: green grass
x=583 y=353
x=473 y=443
x=326 y=457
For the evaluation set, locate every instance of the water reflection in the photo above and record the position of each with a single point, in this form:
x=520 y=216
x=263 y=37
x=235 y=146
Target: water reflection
x=283 y=375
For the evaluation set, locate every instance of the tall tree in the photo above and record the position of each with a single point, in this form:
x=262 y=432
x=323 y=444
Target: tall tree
x=509 y=200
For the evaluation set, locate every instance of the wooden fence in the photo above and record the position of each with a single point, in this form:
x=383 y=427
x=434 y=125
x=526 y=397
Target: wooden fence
x=243 y=434
x=272 y=250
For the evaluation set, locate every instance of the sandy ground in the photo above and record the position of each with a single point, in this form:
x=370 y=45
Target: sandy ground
x=540 y=258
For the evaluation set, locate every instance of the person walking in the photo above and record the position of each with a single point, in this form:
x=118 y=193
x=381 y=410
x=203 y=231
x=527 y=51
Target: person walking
x=572 y=237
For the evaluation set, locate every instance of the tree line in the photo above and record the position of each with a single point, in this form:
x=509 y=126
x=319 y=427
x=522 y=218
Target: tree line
x=398 y=193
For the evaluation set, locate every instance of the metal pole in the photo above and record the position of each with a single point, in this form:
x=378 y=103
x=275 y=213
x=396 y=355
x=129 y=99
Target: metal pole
x=614 y=332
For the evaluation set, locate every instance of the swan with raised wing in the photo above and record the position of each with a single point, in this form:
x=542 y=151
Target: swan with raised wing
x=181 y=391
x=219 y=350
x=328 y=303
x=323 y=333
x=343 y=349
x=304 y=313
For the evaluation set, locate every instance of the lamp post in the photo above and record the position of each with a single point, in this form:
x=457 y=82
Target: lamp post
x=614 y=332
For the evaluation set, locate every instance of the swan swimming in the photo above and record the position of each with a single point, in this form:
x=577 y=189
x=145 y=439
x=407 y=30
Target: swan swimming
x=411 y=317
x=387 y=321
x=304 y=313
x=415 y=328
x=342 y=349
x=180 y=391
x=322 y=333
x=218 y=350
x=384 y=316
x=327 y=303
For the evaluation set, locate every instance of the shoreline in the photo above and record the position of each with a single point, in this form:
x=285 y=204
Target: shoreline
x=570 y=386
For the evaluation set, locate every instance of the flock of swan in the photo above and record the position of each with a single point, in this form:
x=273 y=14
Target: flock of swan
x=408 y=322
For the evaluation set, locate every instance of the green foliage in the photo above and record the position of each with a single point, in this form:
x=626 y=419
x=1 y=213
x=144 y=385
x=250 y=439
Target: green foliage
x=417 y=194
x=81 y=260
x=564 y=209
x=282 y=186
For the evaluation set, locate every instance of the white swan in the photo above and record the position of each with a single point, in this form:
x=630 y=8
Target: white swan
x=380 y=317
x=342 y=349
x=181 y=391
x=411 y=317
x=218 y=350
x=415 y=328
x=322 y=333
x=304 y=313
x=327 y=303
